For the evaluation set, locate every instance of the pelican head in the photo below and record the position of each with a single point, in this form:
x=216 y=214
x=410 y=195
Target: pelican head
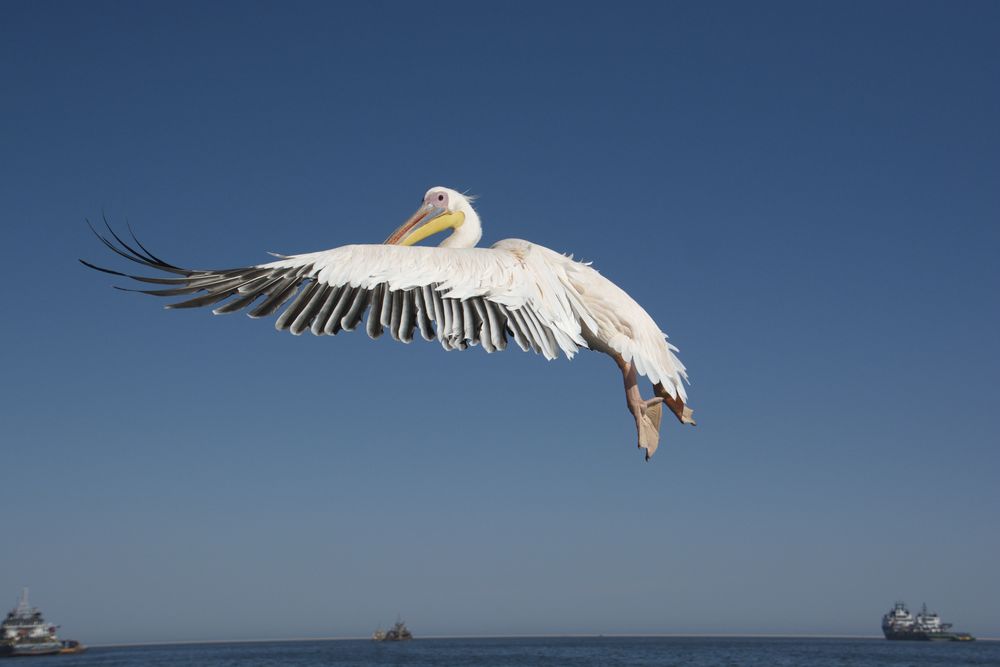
x=441 y=209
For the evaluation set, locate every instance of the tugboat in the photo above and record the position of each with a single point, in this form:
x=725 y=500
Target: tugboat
x=398 y=633
x=899 y=623
x=25 y=632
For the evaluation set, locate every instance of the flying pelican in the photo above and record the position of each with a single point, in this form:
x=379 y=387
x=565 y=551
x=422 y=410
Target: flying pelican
x=456 y=293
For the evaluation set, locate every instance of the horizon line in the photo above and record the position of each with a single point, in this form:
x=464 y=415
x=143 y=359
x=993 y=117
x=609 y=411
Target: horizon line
x=582 y=635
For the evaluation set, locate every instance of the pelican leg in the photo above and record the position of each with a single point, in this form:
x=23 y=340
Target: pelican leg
x=647 y=413
x=684 y=413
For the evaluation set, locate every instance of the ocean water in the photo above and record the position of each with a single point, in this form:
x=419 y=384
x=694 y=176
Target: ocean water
x=572 y=652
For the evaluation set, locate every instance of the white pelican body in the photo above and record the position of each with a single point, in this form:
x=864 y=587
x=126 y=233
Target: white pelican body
x=456 y=293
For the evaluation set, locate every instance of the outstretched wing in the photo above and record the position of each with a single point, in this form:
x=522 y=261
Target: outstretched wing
x=460 y=296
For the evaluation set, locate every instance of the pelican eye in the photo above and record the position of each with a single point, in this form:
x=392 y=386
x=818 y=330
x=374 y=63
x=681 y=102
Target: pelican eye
x=437 y=199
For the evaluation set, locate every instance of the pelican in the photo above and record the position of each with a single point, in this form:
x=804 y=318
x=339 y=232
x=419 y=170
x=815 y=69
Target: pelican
x=456 y=293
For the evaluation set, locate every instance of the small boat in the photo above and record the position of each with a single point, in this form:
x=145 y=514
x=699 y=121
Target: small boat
x=72 y=646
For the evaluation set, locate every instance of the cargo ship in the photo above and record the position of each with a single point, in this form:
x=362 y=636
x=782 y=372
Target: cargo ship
x=899 y=623
x=25 y=632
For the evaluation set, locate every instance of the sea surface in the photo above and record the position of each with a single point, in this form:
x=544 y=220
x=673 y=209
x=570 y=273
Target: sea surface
x=589 y=651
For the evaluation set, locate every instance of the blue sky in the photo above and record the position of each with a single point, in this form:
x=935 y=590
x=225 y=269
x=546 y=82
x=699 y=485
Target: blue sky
x=804 y=196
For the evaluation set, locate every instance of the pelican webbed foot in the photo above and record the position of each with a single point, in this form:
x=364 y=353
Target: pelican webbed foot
x=648 y=413
x=647 y=421
x=676 y=405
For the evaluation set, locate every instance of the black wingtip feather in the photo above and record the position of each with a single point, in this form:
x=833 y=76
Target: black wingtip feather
x=148 y=254
x=101 y=269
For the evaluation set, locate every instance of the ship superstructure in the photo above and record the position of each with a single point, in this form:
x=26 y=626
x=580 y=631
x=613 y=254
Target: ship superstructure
x=899 y=623
x=25 y=632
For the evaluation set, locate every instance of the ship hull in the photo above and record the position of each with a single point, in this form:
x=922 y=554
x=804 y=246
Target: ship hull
x=925 y=636
x=47 y=648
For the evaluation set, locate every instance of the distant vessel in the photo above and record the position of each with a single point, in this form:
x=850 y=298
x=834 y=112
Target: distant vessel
x=899 y=623
x=25 y=632
x=398 y=633
x=72 y=646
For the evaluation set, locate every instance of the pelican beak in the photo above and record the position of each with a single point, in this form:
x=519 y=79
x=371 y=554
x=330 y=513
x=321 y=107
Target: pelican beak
x=428 y=220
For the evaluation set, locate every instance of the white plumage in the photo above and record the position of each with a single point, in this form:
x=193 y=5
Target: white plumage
x=456 y=293
x=570 y=299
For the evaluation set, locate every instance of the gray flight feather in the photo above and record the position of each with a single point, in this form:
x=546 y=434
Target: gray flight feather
x=516 y=327
x=291 y=312
x=406 y=315
x=385 y=316
x=281 y=293
x=374 y=325
x=254 y=291
x=498 y=325
x=471 y=325
x=310 y=310
x=425 y=313
x=356 y=311
x=332 y=295
x=395 y=313
x=485 y=335
x=334 y=322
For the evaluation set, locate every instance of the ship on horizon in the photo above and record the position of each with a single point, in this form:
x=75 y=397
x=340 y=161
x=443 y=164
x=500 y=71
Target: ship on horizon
x=25 y=632
x=899 y=624
x=398 y=633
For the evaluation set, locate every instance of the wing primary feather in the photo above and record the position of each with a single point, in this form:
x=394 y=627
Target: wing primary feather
x=292 y=311
x=477 y=319
x=279 y=294
x=148 y=254
x=439 y=312
x=212 y=287
x=146 y=258
x=471 y=329
x=142 y=279
x=374 y=326
x=135 y=253
x=385 y=316
x=406 y=313
x=255 y=284
x=135 y=258
x=536 y=333
x=395 y=313
x=442 y=319
x=308 y=313
x=319 y=322
x=517 y=328
x=268 y=282
x=333 y=322
x=203 y=300
x=498 y=325
x=484 y=333
x=550 y=348
x=357 y=309
x=129 y=257
x=423 y=314
x=445 y=326
x=214 y=278
x=428 y=299
x=457 y=325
